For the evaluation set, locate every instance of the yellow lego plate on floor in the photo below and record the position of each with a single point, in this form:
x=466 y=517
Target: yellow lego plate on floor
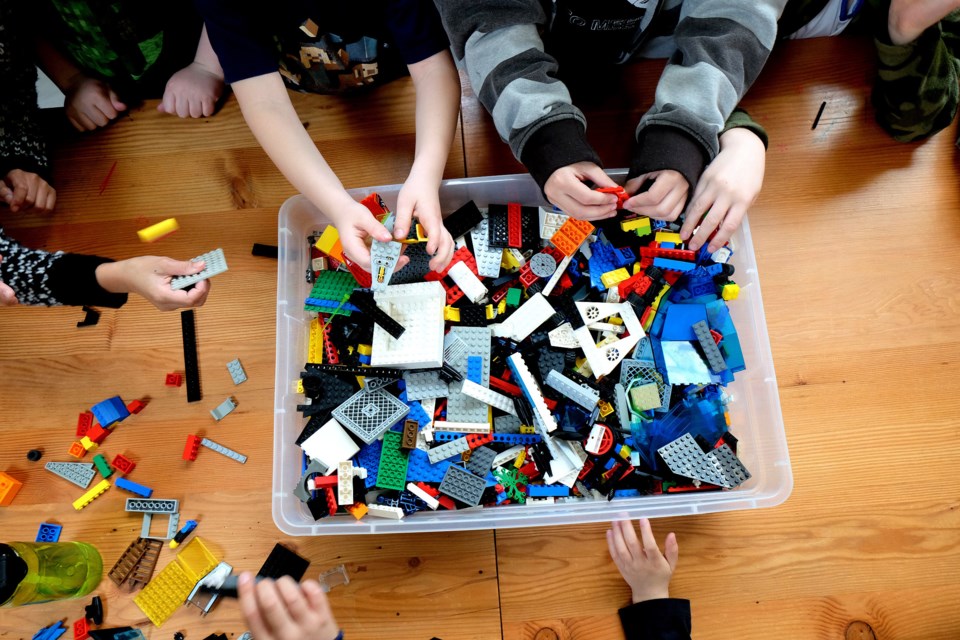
x=169 y=589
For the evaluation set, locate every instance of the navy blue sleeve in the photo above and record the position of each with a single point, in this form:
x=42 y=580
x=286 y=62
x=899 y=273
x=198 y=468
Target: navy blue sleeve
x=416 y=28
x=660 y=619
x=241 y=35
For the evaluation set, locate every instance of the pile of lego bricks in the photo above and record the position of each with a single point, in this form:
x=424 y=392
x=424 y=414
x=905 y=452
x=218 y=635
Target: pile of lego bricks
x=548 y=362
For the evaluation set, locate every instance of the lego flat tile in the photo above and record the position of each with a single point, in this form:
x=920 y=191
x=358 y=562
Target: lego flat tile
x=368 y=415
x=419 y=308
x=526 y=319
x=481 y=461
x=330 y=444
x=216 y=264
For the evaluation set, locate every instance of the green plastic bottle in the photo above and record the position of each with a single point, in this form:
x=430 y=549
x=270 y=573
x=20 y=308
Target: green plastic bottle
x=32 y=572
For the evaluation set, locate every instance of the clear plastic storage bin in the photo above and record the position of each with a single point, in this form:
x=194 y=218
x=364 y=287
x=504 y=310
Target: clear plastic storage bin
x=754 y=411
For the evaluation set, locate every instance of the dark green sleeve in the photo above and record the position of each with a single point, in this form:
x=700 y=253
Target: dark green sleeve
x=740 y=118
x=917 y=89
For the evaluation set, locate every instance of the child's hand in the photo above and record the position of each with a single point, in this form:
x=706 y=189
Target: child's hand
x=727 y=188
x=24 y=191
x=150 y=277
x=664 y=199
x=566 y=189
x=192 y=92
x=8 y=297
x=907 y=19
x=91 y=103
x=284 y=610
x=355 y=224
x=645 y=569
x=418 y=198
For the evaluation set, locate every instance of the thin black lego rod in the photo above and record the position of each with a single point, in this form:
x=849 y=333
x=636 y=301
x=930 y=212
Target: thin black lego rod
x=191 y=363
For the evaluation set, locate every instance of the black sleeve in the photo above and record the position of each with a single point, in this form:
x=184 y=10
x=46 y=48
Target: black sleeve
x=42 y=278
x=241 y=35
x=416 y=28
x=661 y=619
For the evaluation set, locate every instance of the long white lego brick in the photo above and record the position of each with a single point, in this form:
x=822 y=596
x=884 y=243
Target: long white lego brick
x=528 y=384
x=462 y=427
x=507 y=456
x=468 y=282
x=345 y=482
x=432 y=502
x=525 y=320
x=488 y=396
x=383 y=511
x=555 y=278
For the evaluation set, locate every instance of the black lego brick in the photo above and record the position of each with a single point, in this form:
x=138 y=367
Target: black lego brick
x=461 y=221
x=283 y=562
x=191 y=363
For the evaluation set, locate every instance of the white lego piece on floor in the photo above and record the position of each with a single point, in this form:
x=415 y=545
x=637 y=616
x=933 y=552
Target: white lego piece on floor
x=419 y=308
x=330 y=446
x=526 y=319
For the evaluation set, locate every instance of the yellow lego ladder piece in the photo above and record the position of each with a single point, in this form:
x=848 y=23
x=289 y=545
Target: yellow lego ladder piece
x=169 y=589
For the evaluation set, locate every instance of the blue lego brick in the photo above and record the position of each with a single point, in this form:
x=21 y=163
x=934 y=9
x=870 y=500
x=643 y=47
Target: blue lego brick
x=507 y=438
x=547 y=490
x=48 y=532
x=369 y=459
x=679 y=321
x=109 y=411
x=418 y=413
x=363 y=359
x=673 y=265
x=475 y=369
x=626 y=493
x=52 y=632
x=419 y=468
x=668 y=245
x=133 y=487
x=328 y=306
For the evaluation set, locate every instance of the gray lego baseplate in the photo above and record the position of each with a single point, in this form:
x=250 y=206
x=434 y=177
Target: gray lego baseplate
x=719 y=466
x=79 y=473
x=481 y=461
x=462 y=485
x=216 y=264
x=368 y=415
x=506 y=424
x=152 y=505
x=461 y=407
x=236 y=371
x=219 y=448
x=424 y=384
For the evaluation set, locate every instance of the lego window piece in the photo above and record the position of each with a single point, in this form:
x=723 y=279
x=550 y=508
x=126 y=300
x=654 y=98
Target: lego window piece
x=237 y=374
x=684 y=365
x=225 y=408
x=216 y=264
x=462 y=485
x=419 y=308
x=368 y=415
x=79 y=473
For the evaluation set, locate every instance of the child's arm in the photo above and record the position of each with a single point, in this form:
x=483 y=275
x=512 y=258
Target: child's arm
x=916 y=94
x=721 y=47
x=271 y=117
x=89 y=103
x=726 y=190
x=654 y=615
x=194 y=90
x=285 y=610
x=438 y=104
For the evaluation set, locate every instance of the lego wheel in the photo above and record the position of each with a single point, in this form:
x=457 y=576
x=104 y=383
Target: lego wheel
x=613 y=354
x=592 y=313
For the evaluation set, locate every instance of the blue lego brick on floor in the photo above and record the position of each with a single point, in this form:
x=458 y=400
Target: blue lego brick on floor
x=109 y=411
x=48 y=532
x=133 y=487
x=475 y=369
x=419 y=468
x=52 y=632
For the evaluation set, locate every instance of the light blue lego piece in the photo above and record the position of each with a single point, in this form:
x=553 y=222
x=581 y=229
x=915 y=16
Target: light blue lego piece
x=475 y=369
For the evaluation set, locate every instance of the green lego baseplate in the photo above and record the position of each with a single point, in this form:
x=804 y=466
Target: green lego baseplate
x=392 y=472
x=333 y=287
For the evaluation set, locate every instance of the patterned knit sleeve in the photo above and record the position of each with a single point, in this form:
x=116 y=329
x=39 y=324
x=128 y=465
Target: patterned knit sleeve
x=42 y=278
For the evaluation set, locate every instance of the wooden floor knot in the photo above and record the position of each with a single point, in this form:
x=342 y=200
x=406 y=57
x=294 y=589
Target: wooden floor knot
x=546 y=634
x=859 y=630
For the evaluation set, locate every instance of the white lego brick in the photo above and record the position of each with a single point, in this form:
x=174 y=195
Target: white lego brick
x=330 y=445
x=488 y=396
x=419 y=308
x=462 y=427
x=468 y=282
x=507 y=456
x=525 y=320
x=595 y=439
x=432 y=502
x=555 y=278
x=528 y=384
x=550 y=222
x=562 y=337
x=345 y=482
x=607 y=327
x=383 y=511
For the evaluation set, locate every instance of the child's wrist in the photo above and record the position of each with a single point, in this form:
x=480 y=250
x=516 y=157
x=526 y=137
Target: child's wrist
x=111 y=277
x=642 y=595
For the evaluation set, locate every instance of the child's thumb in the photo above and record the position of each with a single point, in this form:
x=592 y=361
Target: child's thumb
x=376 y=230
x=115 y=101
x=183 y=267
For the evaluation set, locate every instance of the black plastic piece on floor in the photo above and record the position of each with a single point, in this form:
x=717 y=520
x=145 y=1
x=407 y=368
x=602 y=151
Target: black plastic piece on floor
x=265 y=250
x=91 y=318
x=283 y=562
x=191 y=364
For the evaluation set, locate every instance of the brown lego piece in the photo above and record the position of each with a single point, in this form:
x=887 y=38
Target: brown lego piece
x=410 y=430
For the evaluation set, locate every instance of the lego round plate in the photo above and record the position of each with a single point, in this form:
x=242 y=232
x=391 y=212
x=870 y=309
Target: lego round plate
x=755 y=415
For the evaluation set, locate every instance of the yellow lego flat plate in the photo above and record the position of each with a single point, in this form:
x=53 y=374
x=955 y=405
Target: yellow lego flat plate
x=168 y=590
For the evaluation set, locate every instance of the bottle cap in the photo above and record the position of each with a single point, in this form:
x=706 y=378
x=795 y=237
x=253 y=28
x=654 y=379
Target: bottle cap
x=12 y=571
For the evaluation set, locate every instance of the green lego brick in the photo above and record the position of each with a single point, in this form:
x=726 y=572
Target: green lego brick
x=333 y=286
x=102 y=466
x=513 y=297
x=392 y=472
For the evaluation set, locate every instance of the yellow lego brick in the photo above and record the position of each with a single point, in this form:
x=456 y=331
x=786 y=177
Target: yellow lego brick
x=667 y=236
x=605 y=408
x=197 y=559
x=614 y=320
x=489 y=312
x=156 y=231
x=624 y=452
x=451 y=314
x=168 y=590
x=364 y=349
x=502 y=307
x=615 y=277
x=521 y=458
x=527 y=428
x=91 y=495
x=329 y=243
x=640 y=225
x=315 y=348
x=298 y=386
x=730 y=291
x=88 y=444
x=509 y=261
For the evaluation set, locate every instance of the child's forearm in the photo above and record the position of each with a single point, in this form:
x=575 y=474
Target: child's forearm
x=438 y=105
x=206 y=56
x=60 y=69
x=274 y=122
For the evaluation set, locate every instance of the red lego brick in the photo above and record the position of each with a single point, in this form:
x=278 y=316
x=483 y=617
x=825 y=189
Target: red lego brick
x=671 y=254
x=98 y=434
x=433 y=491
x=136 y=406
x=479 y=439
x=330 y=354
x=192 y=447
x=514 y=226
x=325 y=481
x=527 y=276
x=454 y=293
x=84 y=422
x=530 y=470
x=123 y=464
x=502 y=385
x=77 y=450
x=447 y=502
x=331 y=500
x=622 y=195
x=460 y=255
x=637 y=283
x=587 y=467
x=375 y=204
x=173 y=380
x=81 y=629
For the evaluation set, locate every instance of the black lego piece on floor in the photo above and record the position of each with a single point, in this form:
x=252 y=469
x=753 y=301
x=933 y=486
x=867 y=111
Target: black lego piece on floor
x=191 y=364
x=265 y=250
x=91 y=318
x=283 y=562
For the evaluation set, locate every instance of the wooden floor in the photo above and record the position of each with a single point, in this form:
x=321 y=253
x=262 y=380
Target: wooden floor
x=856 y=241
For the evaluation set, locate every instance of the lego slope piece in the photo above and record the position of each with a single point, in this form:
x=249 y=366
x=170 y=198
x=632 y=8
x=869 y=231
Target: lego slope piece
x=369 y=414
x=224 y=409
x=169 y=589
x=79 y=473
x=604 y=359
x=419 y=308
x=526 y=319
x=488 y=258
x=216 y=264
x=109 y=411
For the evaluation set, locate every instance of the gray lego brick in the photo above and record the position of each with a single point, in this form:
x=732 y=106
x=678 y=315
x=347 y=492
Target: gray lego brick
x=488 y=259
x=368 y=415
x=219 y=448
x=173 y=525
x=216 y=264
x=462 y=485
x=460 y=407
x=236 y=371
x=585 y=397
x=506 y=424
x=448 y=450
x=224 y=409
x=424 y=384
x=152 y=505
x=710 y=349
x=481 y=461
x=79 y=473
x=314 y=467
x=463 y=408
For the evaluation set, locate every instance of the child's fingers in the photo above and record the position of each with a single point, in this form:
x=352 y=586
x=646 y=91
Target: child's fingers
x=710 y=222
x=115 y=102
x=443 y=253
x=19 y=194
x=172 y=267
x=671 y=551
x=730 y=223
x=600 y=178
x=630 y=538
x=274 y=609
x=207 y=106
x=646 y=534
x=618 y=548
x=198 y=294
x=583 y=194
x=8 y=296
x=401 y=224
x=296 y=604
x=250 y=607
x=6 y=193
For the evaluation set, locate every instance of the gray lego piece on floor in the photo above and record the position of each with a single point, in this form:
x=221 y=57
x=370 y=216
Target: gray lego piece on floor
x=488 y=259
x=448 y=450
x=585 y=397
x=79 y=473
x=424 y=384
x=368 y=415
x=216 y=264
x=481 y=461
x=145 y=525
x=710 y=349
x=462 y=485
x=219 y=448
x=236 y=371
x=152 y=505
x=224 y=409
x=173 y=525
x=506 y=424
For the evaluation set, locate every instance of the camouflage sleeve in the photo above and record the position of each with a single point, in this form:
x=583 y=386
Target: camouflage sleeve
x=917 y=89
x=740 y=118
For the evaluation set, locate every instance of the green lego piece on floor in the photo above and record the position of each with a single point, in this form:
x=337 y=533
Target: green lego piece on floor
x=102 y=466
x=513 y=297
x=392 y=472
